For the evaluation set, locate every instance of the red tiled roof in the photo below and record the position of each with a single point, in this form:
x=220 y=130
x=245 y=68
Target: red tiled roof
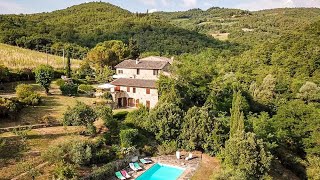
x=135 y=83
x=143 y=64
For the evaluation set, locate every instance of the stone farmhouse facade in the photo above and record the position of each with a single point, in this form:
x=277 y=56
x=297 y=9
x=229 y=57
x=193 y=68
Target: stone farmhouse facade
x=135 y=81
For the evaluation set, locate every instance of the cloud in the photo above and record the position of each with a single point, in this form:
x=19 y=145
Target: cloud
x=153 y=10
x=306 y=3
x=270 y=4
x=149 y=2
x=11 y=8
x=190 y=3
x=165 y=2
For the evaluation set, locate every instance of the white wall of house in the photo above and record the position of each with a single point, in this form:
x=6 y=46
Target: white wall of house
x=146 y=74
x=141 y=94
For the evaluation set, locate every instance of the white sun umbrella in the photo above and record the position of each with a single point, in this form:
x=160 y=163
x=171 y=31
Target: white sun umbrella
x=106 y=86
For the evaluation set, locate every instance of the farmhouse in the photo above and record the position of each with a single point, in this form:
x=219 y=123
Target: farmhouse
x=136 y=81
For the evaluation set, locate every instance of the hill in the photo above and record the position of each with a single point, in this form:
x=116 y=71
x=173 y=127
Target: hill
x=239 y=23
x=18 y=58
x=83 y=26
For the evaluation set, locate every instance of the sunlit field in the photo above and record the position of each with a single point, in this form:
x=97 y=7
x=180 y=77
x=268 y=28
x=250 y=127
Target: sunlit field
x=18 y=58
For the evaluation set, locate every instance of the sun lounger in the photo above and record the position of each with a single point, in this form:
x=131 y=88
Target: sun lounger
x=145 y=161
x=137 y=166
x=131 y=165
x=125 y=174
x=189 y=157
x=119 y=176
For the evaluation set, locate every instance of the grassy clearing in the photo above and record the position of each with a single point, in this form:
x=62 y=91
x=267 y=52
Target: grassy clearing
x=208 y=166
x=221 y=36
x=18 y=58
x=52 y=107
x=27 y=153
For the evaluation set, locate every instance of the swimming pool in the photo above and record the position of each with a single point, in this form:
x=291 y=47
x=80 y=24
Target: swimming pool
x=161 y=172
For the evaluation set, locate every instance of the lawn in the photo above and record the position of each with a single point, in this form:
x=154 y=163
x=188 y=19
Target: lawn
x=27 y=153
x=52 y=106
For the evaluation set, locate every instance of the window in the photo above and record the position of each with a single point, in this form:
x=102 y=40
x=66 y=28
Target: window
x=117 y=88
x=148 y=91
x=134 y=90
x=128 y=89
x=138 y=71
x=120 y=71
x=155 y=72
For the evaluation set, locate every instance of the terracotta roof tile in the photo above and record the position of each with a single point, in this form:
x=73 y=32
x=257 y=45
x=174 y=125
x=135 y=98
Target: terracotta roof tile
x=143 y=64
x=134 y=83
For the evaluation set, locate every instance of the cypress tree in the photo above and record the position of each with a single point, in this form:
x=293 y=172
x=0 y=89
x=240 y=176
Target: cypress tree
x=68 y=67
x=134 y=49
x=237 y=117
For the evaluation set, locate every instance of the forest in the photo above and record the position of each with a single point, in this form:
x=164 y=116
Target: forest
x=253 y=100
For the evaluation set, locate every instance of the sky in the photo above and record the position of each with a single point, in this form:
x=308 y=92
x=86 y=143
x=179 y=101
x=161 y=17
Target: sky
x=36 y=6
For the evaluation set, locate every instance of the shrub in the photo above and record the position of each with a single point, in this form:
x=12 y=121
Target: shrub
x=80 y=153
x=32 y=100
x=26 y=74
x=70 y=151
x=9 y=107
x=120 y=115
x=24 y=90
x=107 y=96
x=69 y=89
x=79 y=115
x=44 y=75
x=60 y=82
x=149 y=150
x=58 y=73
x=26 y=94
x=79 y=81
x=4 y=74
x=86 y=89
x=138 y=118
x=129 y=137
x=167 y=147
x=105 y=113
x=102 y=173
x=64 y=171
x=104 y=74
x=84 y=71
x=104 y=156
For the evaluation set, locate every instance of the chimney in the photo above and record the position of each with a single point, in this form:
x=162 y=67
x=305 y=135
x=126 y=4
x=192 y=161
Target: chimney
x=137 y=61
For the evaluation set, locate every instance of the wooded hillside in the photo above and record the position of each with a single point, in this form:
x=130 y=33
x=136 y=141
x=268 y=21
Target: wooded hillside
x=252 y=99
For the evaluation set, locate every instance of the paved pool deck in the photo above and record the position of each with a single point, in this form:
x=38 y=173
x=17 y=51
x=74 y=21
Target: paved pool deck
x=190 y=165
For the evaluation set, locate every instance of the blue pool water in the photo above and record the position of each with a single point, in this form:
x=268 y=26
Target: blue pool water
x=161 y=172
